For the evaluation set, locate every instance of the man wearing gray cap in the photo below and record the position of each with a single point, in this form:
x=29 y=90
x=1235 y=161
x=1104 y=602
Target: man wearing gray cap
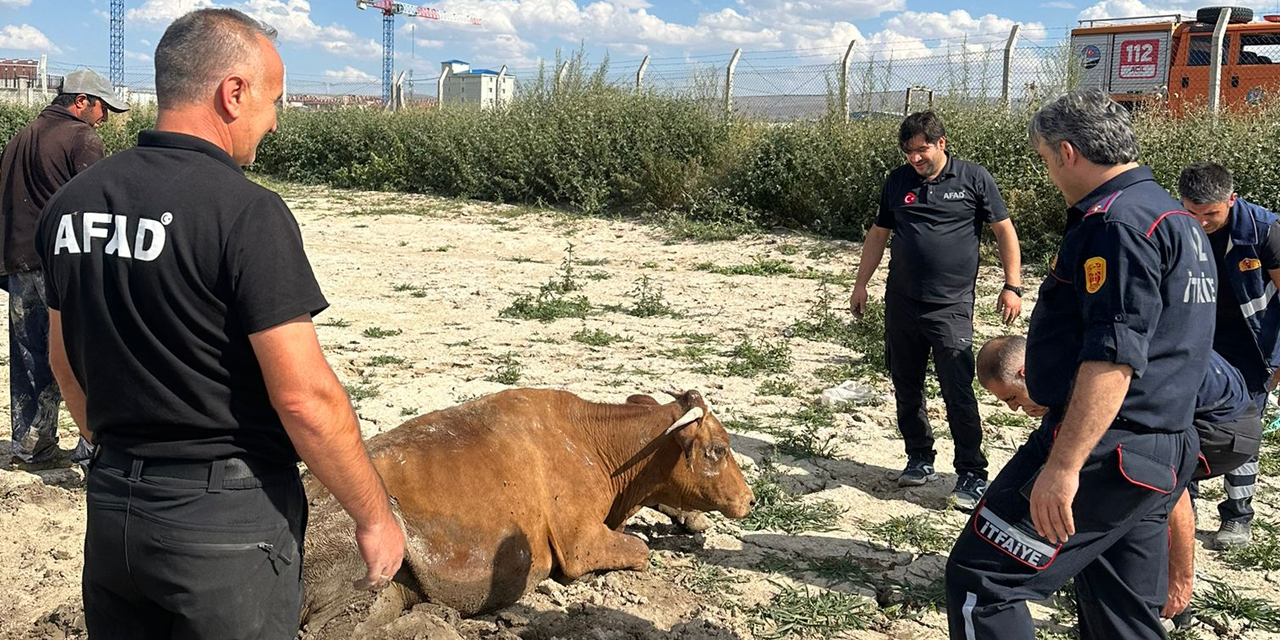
x=45 y=155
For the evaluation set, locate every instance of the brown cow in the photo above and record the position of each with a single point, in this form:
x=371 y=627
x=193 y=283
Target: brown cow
x=499 y=493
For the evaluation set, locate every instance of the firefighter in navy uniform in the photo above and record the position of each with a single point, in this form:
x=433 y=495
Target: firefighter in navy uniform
x=1245 y=241
x=1089 y=495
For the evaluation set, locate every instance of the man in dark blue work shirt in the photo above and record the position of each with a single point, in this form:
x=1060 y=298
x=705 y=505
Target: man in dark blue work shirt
x=1120 y=397
x=1245 y=240
x=936 y=206
x=1226 y=421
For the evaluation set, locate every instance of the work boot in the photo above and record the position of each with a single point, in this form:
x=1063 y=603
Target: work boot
x=917 y=473
x=1232 y=533
x=968 y=492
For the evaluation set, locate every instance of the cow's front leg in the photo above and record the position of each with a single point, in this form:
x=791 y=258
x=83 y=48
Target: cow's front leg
x=602 y=549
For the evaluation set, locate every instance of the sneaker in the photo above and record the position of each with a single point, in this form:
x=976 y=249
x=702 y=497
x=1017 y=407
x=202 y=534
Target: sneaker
x=1232 y=533
x=968 y=492
x=55 y=461
x=917 y=473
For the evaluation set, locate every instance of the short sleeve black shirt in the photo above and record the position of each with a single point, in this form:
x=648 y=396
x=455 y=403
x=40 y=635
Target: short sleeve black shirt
x=162 y=260
x=936 y=227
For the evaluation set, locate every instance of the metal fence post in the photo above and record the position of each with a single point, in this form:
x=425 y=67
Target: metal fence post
x=444 y=73
x=844 y=80
x=1008 y=64
x=728 y=81
x=44 y=76
x=644 y=64
x=1215 y=62
x=564 y=70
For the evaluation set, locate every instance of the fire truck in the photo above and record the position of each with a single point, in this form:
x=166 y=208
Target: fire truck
x=1164 y=60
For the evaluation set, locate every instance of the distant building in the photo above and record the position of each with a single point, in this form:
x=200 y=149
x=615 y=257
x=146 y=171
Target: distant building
x=484 y=88
x=19 y=74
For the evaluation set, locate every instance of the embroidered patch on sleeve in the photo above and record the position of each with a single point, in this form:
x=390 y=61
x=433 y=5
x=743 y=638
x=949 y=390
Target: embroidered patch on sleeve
x=1095 y=274
x=1249 y=264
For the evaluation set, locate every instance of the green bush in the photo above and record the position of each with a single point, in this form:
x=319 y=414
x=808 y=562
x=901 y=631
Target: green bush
x=593 y=148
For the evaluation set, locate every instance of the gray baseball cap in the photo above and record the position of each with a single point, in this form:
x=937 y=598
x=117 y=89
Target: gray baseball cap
x=93 y=84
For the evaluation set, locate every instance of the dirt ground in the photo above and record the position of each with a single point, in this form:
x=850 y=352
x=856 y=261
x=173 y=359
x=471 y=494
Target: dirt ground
x=416 y=286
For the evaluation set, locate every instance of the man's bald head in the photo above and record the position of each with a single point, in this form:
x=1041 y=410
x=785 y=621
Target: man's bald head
x=1001 y=359
x=201 y=48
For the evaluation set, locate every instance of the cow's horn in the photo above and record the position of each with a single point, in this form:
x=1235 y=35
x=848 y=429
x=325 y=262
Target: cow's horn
x=689 y=417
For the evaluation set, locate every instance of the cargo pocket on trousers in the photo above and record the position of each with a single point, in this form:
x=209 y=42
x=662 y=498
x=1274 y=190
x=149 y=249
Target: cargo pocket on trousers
x=1146 y=472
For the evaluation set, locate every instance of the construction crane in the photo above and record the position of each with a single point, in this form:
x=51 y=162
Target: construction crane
x=117 y=43
x=390 y=10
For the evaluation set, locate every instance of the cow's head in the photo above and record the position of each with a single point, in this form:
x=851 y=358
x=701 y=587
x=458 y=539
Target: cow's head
x=707 y=478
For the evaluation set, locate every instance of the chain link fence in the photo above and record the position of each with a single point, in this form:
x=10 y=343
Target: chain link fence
x=860 y=80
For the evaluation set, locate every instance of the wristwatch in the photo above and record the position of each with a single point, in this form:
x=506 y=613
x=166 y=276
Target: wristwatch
x=1017 y=291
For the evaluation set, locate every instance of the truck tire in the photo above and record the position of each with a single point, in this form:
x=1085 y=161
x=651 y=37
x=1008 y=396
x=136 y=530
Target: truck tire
x=1238 y=15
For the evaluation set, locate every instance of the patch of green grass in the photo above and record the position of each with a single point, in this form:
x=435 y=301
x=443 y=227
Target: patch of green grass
x=383 y=361
x=523 y=260
x=363 y=390
x=920 y=531
x=408 y=411
x=598 y=275
x=794 y=613
x=695 y=338
x=823 y=323
x=647 y=300
x=649 y=265
x=709 y=579
x=1222 y=604
x=841 y=570
x=1064 y=605
x=777 y=387
x=1011 y=419
x=379 y=332
x=1269 y=462
x=461 y=343
x=760 y=267
x=566 y=277
x=509 y=370
x=1261 y=554
x=789 y=249
x=805 y=440
x=746 y=424
x=681 y=228
x=443 y=248
x=779 y=510
x=771 y=562
x=597 y=337
x=547 y=307
x=692 y=353
x=594 y=262
x=914 y=600
x=750 y=358
x=334 y=322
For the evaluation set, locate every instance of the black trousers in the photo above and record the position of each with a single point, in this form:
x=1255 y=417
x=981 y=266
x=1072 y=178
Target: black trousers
x=1119 y=555
x=912 y=331
x=168 y=555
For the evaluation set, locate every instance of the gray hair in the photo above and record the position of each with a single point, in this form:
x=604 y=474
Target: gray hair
x=199 y=49
x=1206 y=183
x=1096 y=126
x=1000 y=358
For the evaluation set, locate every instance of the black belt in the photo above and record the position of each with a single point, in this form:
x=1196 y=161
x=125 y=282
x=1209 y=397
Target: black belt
x=229 y=473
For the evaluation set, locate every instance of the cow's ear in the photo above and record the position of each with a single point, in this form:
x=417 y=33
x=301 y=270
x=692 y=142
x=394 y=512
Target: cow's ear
x=641 y=398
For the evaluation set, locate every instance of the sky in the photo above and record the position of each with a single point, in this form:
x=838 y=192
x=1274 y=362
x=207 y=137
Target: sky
x=333 y=41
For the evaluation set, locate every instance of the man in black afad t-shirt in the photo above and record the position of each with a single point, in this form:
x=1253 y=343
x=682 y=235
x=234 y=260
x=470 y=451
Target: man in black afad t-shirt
x=935 y=206
x=181 y=335
x=1245 y=240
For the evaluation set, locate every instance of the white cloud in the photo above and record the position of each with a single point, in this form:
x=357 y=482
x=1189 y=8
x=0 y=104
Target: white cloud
x=1057 y=5
x=1135 y=8
x=25 y=38
x=291 y=18
x=137 y=55
x=15 y=3
x=164 y=11
x=349 y=74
